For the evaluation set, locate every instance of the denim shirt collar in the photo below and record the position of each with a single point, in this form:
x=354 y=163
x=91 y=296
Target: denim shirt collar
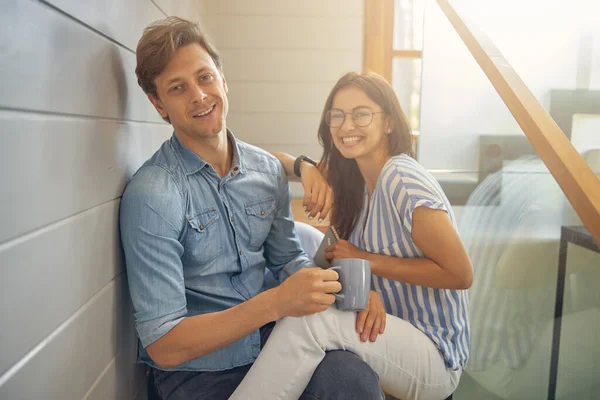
x=192 y=162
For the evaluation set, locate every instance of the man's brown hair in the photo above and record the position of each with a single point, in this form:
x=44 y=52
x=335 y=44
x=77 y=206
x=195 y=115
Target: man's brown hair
x=160 y=41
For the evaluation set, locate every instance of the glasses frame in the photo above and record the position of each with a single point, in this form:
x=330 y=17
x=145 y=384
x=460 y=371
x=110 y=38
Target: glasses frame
x=328 y=114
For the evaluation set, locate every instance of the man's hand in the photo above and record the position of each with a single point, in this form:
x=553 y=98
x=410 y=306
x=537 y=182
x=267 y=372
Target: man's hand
x=370 y=322
x=343 y=249
x=307 y=292
x=318 y=196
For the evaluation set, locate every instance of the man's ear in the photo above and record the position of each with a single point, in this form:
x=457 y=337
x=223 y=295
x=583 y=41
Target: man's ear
x=224 y=83
x=158 y=105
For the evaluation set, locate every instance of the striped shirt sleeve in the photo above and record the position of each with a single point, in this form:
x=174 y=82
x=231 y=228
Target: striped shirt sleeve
x=411 y=186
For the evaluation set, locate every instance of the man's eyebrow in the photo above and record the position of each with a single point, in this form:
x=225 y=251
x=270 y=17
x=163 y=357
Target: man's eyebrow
x=177 y=78
x=171 y=81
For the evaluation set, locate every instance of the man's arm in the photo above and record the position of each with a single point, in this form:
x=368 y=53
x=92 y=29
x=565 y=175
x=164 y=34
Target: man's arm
x=151 y=220
x=318 y=196
x=306 y=293
x=282 y=248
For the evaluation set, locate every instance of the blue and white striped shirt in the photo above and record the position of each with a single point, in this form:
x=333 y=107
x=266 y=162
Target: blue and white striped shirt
x=384 y=227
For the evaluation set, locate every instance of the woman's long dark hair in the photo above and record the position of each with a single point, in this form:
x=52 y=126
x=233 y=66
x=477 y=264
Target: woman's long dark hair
x=343 y=175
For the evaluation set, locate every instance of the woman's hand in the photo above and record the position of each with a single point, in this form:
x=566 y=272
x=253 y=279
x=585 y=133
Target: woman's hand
x=370 y=322
x=318 y=196
x=343 y=249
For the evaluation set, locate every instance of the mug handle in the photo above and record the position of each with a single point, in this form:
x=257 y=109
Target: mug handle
x=337 y=296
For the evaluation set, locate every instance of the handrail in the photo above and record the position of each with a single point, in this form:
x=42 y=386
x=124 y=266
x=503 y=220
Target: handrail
x=576 y=179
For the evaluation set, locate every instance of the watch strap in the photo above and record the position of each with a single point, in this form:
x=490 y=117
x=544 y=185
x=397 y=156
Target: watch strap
x=298 y=161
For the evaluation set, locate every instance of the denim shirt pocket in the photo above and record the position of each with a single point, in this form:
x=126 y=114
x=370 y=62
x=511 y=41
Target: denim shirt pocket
x=260 y=216
x=204 y=241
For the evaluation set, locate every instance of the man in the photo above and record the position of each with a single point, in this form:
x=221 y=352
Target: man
x=200 y=221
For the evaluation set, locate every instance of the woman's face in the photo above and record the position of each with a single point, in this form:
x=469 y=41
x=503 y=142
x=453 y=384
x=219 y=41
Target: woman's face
x=353 y=109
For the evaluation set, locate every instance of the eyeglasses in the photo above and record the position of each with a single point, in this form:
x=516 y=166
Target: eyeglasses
x=360 y=116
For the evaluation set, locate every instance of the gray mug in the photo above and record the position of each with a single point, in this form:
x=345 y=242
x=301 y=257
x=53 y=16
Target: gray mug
x=355 y=277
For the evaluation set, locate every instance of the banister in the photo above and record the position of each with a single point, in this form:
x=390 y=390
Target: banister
x=576 y=179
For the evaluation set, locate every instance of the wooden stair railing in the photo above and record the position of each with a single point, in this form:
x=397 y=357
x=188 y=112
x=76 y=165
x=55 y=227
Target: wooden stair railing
x=576 y=179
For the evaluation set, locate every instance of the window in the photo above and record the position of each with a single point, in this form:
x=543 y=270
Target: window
x=393 y=48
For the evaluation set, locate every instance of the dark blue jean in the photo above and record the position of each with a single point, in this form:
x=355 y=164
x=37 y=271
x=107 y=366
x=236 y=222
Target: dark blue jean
x=340 y=376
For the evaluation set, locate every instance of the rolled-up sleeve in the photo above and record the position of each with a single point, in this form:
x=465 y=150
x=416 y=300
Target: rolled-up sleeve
x=151 y=220
x=282 y=248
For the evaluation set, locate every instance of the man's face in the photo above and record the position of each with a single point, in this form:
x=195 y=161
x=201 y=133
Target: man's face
x=193 y=94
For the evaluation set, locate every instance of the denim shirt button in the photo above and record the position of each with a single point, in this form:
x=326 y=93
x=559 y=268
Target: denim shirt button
x=232 y=219
x=201 y=227
x=262 y=213
x=241 y=252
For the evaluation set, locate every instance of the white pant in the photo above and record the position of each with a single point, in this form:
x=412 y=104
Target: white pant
x=408 y=363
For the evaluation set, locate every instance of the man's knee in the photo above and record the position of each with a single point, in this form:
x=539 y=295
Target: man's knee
x=343 y=375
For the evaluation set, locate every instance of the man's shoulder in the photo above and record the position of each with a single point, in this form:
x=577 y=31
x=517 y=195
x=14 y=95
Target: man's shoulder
x=160 y=175
x=164 y=158
x=259 y=160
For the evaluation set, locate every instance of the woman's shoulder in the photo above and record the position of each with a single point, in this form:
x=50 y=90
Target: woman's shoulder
x=403 y=162
x=404 y=172
x=402 y=169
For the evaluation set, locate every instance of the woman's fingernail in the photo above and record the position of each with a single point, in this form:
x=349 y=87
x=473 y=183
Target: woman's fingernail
x=320 y=220
x=360 y=329
x=310 y=217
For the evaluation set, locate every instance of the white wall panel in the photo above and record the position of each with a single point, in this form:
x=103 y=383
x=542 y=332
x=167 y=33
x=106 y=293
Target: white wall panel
x=117 y=382
x=252 y=32
x=281 y=59
x=314 y=151
x=74 y=126
x=317 y=8
x=66 y=364
x=58 y=65
x=300 y=65
x=275 y=97
x=189 y=9
x=122 y=21
x=54 y=166
x=48 y=275
x=283 y=128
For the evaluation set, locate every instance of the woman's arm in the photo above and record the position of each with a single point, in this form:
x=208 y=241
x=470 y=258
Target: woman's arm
x=318 y=196
x=446 y=264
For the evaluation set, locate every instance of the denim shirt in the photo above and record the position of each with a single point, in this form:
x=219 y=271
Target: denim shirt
x=197 y=243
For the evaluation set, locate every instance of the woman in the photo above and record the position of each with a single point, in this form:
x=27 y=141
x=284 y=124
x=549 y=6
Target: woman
x=389 y=210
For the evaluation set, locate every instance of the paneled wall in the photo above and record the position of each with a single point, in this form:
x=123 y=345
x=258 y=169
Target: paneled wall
x=281 y=59
x=74 y=126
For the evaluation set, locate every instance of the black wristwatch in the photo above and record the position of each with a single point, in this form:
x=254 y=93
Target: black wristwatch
x=298 y=161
